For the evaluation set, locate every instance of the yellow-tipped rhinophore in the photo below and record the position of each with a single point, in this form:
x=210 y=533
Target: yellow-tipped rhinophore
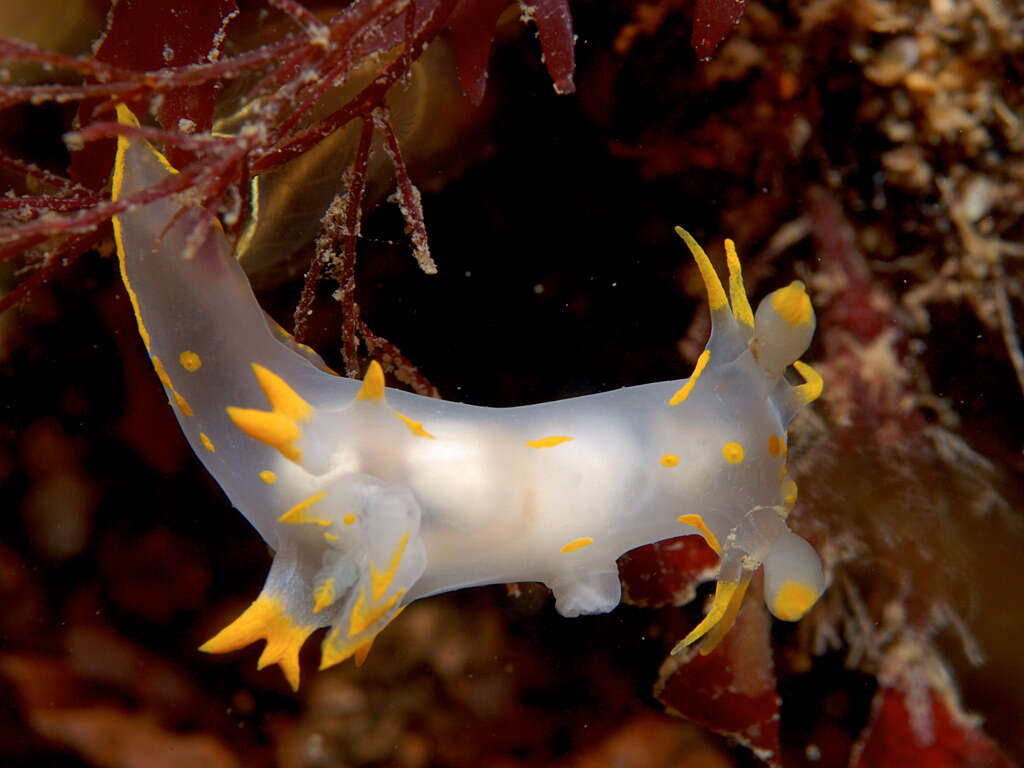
x=737 y=293
x=716 y=294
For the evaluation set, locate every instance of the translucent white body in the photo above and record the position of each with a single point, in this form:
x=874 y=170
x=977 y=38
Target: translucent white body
x=373 y=498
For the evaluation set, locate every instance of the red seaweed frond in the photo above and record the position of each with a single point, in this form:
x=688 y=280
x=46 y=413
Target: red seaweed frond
x=173 y=71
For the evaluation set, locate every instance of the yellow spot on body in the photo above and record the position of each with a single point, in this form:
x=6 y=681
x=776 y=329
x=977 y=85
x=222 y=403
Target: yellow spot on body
x=793 y=600
x=548 y=442
x=323 y=595
x=330 y=536
x=669 y=460
x=687 y=388
x=575 y=544
x=716 y=294
x=349 y=519
x=274 y=429
x=774 y=447
x=789 y=492
x=697 y=522
x=782 y=473
x=161 y=373
x=737 y=294
x=416 y=427
x=268 y=477
x=190 y=361
x=793 y=304
x=207 y=443
x=732 y=452
x=373 y=383
x=297 y=514
x=380 y=581
x=267 y=618
x=811 y=390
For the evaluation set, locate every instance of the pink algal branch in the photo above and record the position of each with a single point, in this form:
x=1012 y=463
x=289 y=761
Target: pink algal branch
x=409 y=198
x=397 y=363
x=297 y=71
x=368 y=99
x=66 y=252
x=335 y=259
x=336 y=255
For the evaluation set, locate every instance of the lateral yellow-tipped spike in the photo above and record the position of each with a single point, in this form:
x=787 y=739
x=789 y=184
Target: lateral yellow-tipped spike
x=721 y=629
x=723 y=595
x=811 y=390
x=360 y=654
x=716 y=294
x=373 y=383
x=737 y=293
x=274 y=429
x=283 y=399
x=266 y=619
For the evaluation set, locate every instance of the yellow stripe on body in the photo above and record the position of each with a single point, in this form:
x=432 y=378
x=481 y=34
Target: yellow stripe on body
x=687 y=388
x=696 y=521
x=548 y=442
x=576 y=544
x=297 y=514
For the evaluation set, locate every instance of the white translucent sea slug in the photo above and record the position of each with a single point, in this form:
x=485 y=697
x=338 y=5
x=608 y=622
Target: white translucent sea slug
x=373 y=498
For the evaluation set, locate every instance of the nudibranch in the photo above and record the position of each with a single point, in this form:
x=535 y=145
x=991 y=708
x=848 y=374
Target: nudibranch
x=372 y=497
